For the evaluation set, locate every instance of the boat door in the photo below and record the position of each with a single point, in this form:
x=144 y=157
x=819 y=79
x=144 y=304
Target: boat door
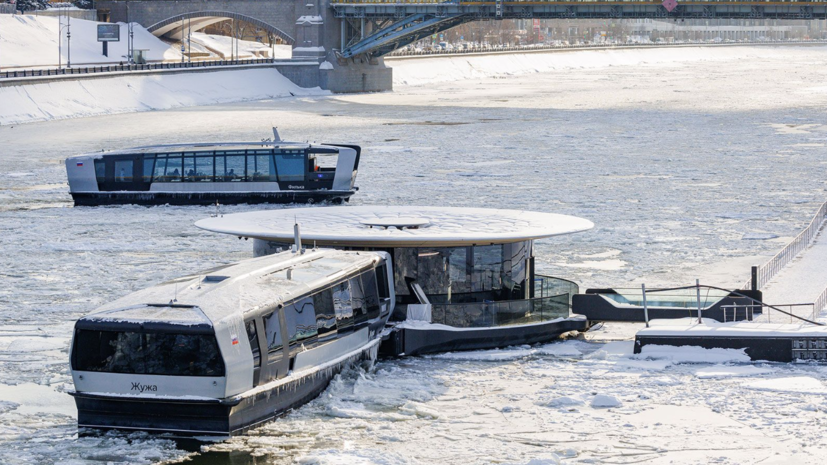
x=125 y=173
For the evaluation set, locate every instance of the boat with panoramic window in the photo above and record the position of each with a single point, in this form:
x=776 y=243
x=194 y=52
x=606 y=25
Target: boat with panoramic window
x=465 y=278
x=222 y=351
x=227 y=173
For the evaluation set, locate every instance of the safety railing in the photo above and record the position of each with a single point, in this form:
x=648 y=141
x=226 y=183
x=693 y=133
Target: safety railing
x=568 y=2
x=529 y=48
x=748 y=304
x=134 y=67
x=502 y=313
x=768 y=270
x=545 y=286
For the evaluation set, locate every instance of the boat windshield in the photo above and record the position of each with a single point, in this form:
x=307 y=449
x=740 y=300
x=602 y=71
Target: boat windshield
x=147 y=353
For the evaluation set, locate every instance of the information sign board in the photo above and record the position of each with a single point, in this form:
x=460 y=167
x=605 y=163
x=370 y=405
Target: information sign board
x=109 y=33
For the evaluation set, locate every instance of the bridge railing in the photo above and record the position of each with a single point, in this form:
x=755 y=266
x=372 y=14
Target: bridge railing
x=135 y=67
x=768 y=270
x=568 y=2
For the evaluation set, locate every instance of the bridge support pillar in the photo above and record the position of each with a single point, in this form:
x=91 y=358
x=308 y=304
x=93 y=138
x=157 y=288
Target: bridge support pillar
x=354 y=76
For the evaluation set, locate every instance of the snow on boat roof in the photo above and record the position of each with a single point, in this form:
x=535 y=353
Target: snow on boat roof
x=206 y=146
x=397 y=226
x=241 y=287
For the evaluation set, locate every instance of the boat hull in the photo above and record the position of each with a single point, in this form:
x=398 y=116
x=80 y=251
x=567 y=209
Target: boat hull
x=219 y=417
x=93 y=199
x=418 y=341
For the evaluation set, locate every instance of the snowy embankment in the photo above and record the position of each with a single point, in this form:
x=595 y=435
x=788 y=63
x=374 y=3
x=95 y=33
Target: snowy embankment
x=122 y=94
x=417 y=71
x=30 y=41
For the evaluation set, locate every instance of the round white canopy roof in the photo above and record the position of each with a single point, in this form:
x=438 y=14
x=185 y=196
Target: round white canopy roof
x=381 y=226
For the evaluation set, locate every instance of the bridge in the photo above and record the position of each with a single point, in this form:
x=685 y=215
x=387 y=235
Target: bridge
x=375 y=28
x=340 y=43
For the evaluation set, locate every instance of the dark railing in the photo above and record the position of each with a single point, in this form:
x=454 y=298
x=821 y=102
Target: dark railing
x=134 y=67
x=768 y=270
x=529 y=48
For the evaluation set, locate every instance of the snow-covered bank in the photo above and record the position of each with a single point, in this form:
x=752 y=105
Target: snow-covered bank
x=28 y=41
x=121 y=94
x=420 y=71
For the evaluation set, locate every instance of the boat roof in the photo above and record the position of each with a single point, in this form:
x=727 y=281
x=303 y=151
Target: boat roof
x=206 y=147
x=397 y=226
x=238 y=288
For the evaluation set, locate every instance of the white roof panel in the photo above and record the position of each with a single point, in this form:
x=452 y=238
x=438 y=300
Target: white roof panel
x=383 y=226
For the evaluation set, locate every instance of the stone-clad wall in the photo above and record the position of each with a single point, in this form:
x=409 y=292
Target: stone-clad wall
x=314 y=40
x=282 y=14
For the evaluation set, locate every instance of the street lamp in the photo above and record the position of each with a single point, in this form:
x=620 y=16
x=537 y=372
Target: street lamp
x=61 y=27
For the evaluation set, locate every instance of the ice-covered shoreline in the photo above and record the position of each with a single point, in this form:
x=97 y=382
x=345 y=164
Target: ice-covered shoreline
x=418 y=71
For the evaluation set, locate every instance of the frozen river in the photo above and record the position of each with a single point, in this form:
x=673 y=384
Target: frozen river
x=695 y=168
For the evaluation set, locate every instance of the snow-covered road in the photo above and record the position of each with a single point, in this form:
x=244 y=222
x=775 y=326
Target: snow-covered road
x=694 y=169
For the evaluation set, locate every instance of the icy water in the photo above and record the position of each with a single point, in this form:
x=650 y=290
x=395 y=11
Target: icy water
x=688 y=170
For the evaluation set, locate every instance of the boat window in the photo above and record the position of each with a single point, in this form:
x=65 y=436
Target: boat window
x=382 y=281
x=204 y=165
x=301 y=324
x=147 y=353
x=343 y=307
x=371 y=291
x=149 y=161
x=220 y=174
x=488 y=268
x=252 y=336
x=264 y=171
x=272 y=330
x=357 y=297
x=325 y=315
x=290 y=166
x=174 y=169
x=160 y=167
x=100 y=171
x=123 y=170
x=189 y=168
x=235 y=168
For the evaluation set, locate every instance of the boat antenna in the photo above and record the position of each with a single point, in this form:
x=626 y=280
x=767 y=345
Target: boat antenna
x=297 y=235
x=276 y=137
x=217 y=211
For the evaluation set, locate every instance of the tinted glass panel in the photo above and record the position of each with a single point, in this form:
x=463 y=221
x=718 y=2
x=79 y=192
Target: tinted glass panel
x=235 y=168
x=123 y=170
x=204 y=168
x=382 y=281
x=100 y=170
x=220 y=174
x=147 y=353
x=343 y=307
x=263 y=171
x=290 y=166
x=357 y=296
x=251 y=167
x=301 y=323
x=252 y=336
x=189 y=168
x=372 y=304
x=149 y=161
x=325 y=315
x=273 y=332
x=160 y=168
x=174 y=169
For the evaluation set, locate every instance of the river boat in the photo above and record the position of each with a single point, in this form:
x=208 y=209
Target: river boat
x=209 y=173
x=220 y=352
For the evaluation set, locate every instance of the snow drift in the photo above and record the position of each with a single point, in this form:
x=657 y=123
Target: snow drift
x=28 y=41
x=120 y=94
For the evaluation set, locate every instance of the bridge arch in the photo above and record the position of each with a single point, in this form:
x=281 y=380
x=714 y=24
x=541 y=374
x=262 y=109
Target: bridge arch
x=175 y=26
